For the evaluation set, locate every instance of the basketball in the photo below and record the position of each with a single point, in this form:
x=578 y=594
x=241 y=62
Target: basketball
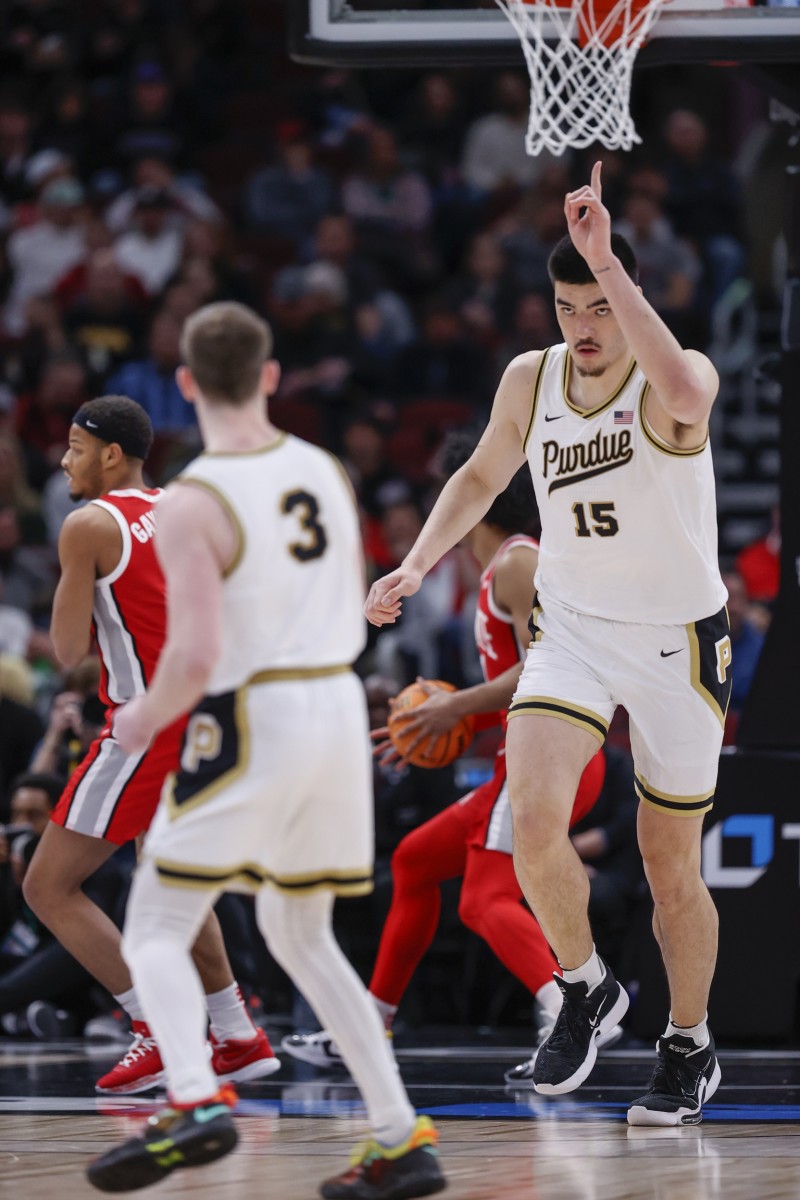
x=447 y=746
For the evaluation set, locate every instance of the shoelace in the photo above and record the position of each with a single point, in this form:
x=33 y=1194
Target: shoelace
x=670 y=1075
x=142 y=1044
x=570 y=1026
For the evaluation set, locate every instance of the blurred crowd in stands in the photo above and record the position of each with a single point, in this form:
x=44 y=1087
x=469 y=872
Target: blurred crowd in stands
x=159 y=154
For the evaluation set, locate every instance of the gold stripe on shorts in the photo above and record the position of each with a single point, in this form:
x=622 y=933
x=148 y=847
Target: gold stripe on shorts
x=548 y=706
x=253 y=876
x=677 y=806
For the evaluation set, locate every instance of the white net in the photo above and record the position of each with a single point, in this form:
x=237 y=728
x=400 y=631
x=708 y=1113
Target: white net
x=580 y=58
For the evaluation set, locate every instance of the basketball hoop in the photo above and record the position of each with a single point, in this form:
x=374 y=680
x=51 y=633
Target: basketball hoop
x=580 y=56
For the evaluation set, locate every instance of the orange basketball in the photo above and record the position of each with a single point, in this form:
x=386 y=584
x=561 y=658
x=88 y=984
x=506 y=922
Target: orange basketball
x=447 y=747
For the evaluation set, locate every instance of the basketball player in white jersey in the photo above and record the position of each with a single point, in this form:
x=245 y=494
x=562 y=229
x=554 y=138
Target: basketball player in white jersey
x=261 y=548
x=614 y=425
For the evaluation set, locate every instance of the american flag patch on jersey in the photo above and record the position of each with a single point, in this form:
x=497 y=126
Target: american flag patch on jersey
x=625 y=417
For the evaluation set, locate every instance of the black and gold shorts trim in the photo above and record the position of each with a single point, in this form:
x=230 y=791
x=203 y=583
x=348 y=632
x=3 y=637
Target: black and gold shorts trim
x=251 y=876
x=710 y=661
x=548 y=706
x=676 y=806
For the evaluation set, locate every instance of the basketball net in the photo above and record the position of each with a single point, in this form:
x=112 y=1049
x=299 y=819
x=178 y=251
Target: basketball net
x=580 y=56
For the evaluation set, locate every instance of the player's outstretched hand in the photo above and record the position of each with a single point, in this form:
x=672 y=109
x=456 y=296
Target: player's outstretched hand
x=131 y=727
x=384 y=602
x=590 y=232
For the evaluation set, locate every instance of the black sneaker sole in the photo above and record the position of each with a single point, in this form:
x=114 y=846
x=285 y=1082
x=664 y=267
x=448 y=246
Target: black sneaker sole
x=640 y=1115
x=133 y=1166
x=406 y=1189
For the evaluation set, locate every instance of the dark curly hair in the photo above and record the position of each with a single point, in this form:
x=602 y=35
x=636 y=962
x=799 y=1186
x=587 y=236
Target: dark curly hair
x=118 y=419
x=515 y=509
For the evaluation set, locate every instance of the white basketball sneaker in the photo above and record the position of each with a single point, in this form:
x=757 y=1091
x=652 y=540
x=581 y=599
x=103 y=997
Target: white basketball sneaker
x=318 y=1049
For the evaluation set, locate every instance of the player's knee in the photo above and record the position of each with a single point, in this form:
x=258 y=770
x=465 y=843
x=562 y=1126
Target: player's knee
x=539 y=827
x=471 y=909
x=673 y=882
x=404 y=862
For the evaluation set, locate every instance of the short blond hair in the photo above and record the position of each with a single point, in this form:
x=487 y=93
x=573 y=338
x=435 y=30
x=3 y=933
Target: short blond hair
x=225 y=346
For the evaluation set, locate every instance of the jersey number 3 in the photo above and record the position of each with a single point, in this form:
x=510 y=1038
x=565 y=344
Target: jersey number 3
x=306 y=508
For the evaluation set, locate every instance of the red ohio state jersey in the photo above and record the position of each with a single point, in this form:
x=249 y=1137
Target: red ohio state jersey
x=130 y=605
x=495 y=635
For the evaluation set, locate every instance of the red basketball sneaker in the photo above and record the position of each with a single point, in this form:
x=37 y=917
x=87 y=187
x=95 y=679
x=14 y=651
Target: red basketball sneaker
x=139 y=1070
x=236 y=1061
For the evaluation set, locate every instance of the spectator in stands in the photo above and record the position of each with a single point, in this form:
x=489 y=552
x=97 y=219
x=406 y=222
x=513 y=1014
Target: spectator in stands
x=532 y=328
x=759 y=563
x=432 y=132
x=443 y=362
x=151 y=380
x=187 y=201
x=68 y=127
x=531 y=229
x=392 y=209
x=41 y=253
x=26 y=572
x=45 y=414
x=21 y=731
x=494 y=153
x=152 y=125
x=411 y=647
x=289 y=198
x=335 y=243
x=151 y=248
x=605 y=841
x=747 y=639
x=76 y=719
x=483 y=293
x=16 y=148
x=704 y=200
x=669 y=269
x=103 y=322
x=43 y=990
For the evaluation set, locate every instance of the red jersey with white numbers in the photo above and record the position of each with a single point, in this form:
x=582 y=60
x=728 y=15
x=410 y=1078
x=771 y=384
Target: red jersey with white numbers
x=495 y=635
x=130 y=605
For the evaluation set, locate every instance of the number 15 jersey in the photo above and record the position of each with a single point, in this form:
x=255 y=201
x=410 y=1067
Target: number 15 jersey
x=629 y=525
x=294 y=592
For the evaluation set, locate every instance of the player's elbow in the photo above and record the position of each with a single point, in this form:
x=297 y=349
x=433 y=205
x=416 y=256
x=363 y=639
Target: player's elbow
x=69 y=650
x=196 y=659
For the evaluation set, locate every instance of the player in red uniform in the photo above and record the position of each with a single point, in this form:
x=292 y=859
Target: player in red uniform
x=472 y=838
x=112 y=593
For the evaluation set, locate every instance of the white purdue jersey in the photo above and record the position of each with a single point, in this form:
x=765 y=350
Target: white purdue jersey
x=293 y=596
x=629 y=526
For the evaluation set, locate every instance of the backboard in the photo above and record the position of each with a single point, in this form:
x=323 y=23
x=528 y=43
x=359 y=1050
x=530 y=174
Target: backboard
x=431 y=33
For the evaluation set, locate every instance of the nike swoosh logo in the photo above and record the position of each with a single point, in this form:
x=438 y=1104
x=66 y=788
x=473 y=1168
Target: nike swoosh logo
x=595 y=1021
x=208 y=1114
x=90 y=424
x=669 y=653
x=558 y=418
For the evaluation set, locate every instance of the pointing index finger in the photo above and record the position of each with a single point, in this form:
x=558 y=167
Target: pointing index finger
x=597 y=186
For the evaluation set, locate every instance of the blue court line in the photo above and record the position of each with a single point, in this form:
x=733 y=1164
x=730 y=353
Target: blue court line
x=538 y=1109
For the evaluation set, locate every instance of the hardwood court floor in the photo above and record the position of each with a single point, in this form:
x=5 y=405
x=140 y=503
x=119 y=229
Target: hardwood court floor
x=496 y=1144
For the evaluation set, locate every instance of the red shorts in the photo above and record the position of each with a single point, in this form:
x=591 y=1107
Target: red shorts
x=490 y=811
x=114 y=795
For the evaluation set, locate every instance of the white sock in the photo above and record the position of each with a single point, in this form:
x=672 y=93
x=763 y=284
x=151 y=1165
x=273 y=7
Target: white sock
x=591 y=972
x=698 y=1033
x=549 y=999
x=161 y=925
x=130 y=1002
x=299 y=934
x=229 y=1016
x=387 y=1011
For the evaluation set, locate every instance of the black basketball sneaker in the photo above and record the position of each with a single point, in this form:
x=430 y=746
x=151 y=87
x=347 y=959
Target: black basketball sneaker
x=685 y=1077
x=400 y=1173
x=568 y=1055
x=172 y=1138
